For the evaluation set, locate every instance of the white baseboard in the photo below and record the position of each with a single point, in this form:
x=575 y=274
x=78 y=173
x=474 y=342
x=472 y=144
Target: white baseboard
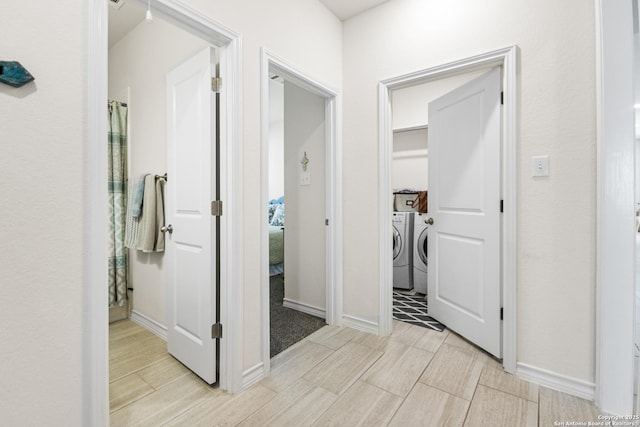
x=252 y=375
x=563 y=383
x=360 y=324
x=150 y=324
x=305 y=308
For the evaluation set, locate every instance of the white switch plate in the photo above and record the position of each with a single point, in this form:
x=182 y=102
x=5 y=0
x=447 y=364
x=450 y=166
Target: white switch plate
x=540 y=165
x=305 y=178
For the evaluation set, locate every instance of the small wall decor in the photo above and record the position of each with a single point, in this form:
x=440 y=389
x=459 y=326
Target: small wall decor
x=14 y=74
x=305 y=161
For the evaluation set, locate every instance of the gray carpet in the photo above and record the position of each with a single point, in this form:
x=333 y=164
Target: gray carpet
x=288 y=326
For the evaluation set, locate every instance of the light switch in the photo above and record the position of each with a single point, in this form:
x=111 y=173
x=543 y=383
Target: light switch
x=540 y=166
x=305 y=178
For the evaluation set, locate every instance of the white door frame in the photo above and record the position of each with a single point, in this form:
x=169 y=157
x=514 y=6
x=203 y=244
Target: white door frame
x=615 y=266
x=333 y=252
x=506 y=58
x=95 y=377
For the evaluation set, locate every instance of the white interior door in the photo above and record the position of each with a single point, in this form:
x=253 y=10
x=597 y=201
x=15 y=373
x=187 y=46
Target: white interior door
x=190 y=247
x=464 y=202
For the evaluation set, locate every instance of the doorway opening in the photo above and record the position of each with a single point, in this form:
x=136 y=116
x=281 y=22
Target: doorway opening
x=297 y=283
x=173 y=173
x=410 y=186
x=506 y=59
x=96 y=345
x=301 y=280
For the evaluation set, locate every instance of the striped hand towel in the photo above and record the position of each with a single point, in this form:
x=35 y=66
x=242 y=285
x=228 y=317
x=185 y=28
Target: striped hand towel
x=132 y=226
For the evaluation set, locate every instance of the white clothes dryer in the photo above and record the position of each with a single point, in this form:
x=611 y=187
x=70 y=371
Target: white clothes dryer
x=420 y=259
x=403 y=250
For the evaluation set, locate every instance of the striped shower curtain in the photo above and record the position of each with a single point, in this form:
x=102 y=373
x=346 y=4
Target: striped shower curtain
x=117 y=203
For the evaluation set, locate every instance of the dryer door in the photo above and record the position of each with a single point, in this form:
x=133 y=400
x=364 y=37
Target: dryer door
x=422 y=246
x=397 y=243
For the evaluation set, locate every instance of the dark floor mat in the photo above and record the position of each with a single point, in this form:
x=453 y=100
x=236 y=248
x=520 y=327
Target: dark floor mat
x=413 y=309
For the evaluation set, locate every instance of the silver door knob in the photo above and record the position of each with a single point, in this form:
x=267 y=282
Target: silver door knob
x=167 y=229
x=429 y=221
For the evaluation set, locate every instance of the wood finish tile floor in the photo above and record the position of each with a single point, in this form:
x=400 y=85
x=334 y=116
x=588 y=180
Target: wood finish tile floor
x=336 y=377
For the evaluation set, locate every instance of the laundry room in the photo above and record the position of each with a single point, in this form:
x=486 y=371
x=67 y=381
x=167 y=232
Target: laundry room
x=410 y=184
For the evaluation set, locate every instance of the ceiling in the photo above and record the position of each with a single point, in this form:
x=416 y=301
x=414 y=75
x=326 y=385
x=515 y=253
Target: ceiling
x=345 y=9
x=124 y=19
x=131 y=13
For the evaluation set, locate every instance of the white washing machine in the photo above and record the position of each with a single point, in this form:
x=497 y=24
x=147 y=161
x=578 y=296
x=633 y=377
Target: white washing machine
x=403 y=250
x=420 y=260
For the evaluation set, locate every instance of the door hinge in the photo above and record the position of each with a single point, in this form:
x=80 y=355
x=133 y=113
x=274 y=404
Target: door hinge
x=501 y=313
x=502 y=98
x=501 y=205
x=216 y=83
x=216 y=208
x=216 y=330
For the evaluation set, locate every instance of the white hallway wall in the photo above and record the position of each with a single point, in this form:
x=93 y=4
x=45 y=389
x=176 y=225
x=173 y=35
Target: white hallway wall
x=556 y=215
x=41 y=242
x=141 y=61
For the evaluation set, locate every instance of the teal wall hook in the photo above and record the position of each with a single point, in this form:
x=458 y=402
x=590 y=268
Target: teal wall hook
x=14 y=74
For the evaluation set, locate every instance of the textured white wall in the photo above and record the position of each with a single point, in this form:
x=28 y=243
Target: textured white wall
x=556 y=215
x=141 y=61
x=41 y=248
x=304 y=246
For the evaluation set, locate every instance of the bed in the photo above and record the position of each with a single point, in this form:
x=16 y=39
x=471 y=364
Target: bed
x=276 y=236
x=276 y=250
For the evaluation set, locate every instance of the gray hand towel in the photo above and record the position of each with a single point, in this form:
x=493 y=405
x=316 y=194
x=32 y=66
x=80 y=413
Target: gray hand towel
x=159 y=246
x=136 y=199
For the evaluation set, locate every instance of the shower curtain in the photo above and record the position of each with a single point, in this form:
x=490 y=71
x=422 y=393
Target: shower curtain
x=117 y=164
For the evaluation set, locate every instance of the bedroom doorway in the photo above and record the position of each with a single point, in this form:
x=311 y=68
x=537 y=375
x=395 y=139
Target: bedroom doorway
x=299 y=216
x=297 y=303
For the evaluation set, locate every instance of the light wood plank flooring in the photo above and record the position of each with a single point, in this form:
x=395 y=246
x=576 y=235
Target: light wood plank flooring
x=336 y=377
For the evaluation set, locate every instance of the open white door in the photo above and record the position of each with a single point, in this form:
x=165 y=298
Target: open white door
x=190 y=259
x=464 y=204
